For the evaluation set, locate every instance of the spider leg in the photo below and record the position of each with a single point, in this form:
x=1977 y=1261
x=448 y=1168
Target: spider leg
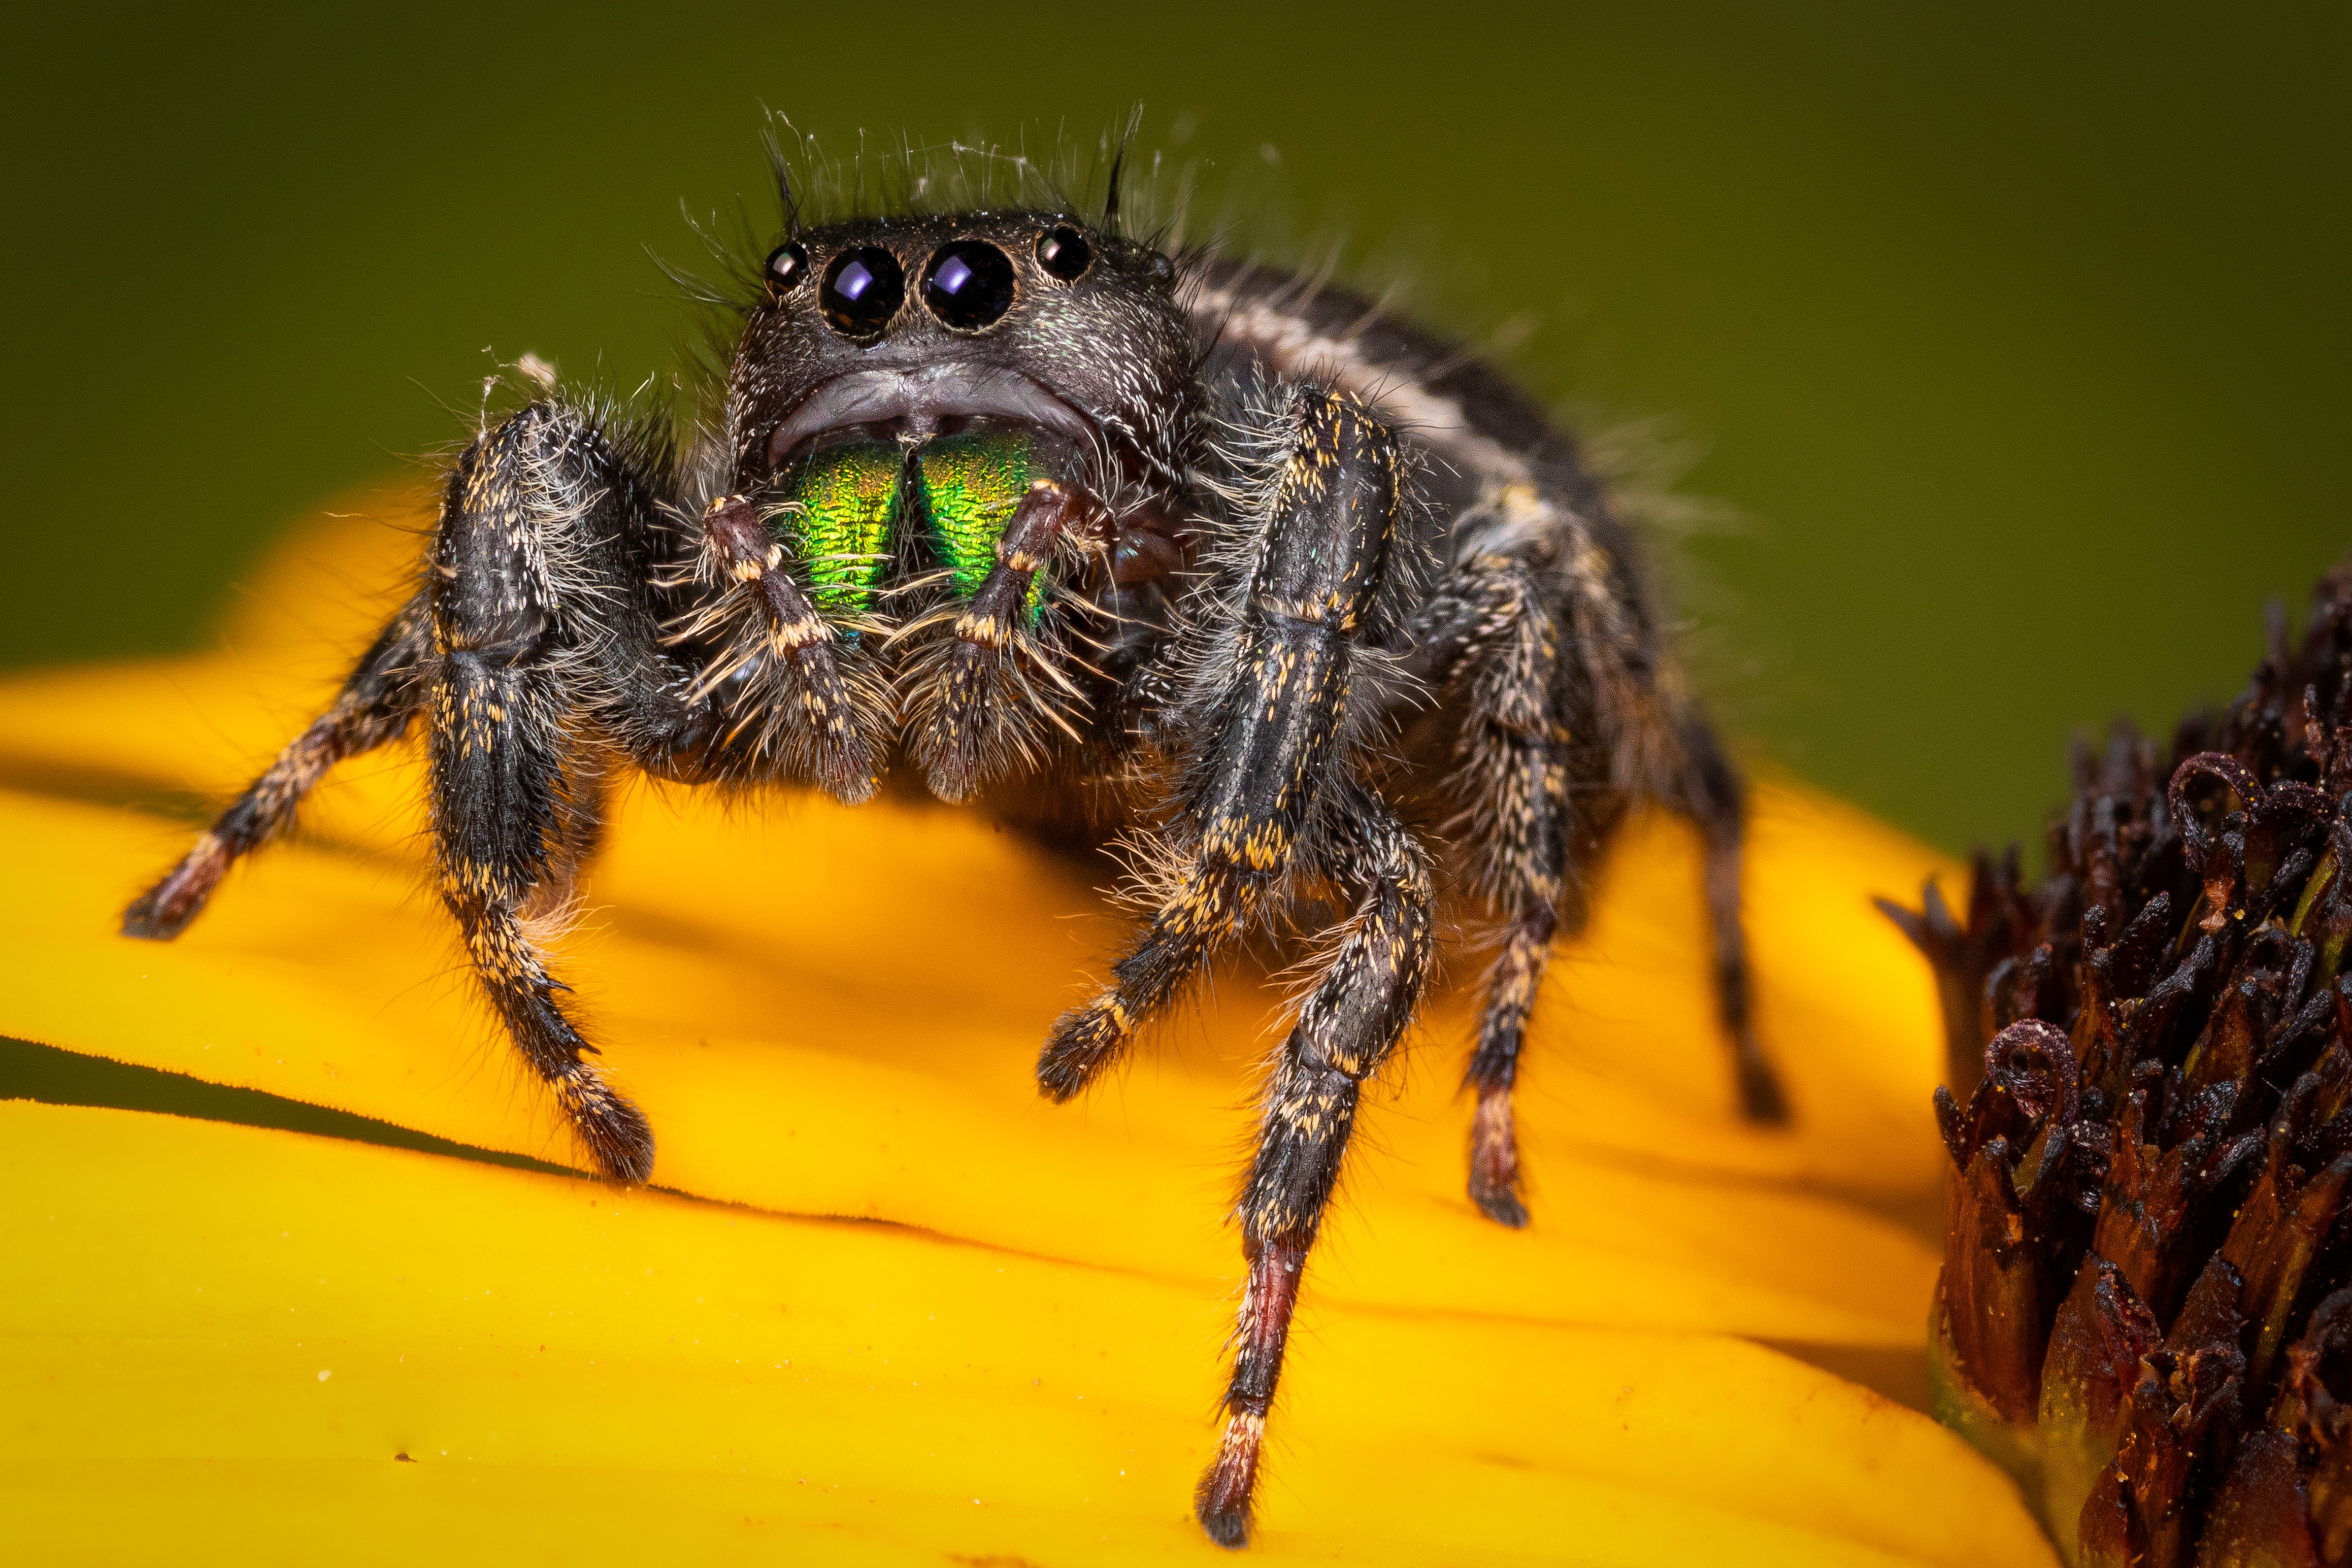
x=515 y=764
x=374 y=706
x=503 y=786
x=1533 y=830
x=1347 y=1028
x=1712 y=797
x=1269 y=696
x=1514 y=773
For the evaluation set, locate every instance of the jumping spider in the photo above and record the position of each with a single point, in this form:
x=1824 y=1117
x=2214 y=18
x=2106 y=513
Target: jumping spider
x=1037 y=507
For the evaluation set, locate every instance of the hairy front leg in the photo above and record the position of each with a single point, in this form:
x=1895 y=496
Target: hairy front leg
x=503 y=788
x=516 y=761
x=1300 y=593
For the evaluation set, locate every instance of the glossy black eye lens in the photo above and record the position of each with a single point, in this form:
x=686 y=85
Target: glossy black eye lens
x=788 y=266
x=863 y=289
x=1064 y=252
x=969 y=286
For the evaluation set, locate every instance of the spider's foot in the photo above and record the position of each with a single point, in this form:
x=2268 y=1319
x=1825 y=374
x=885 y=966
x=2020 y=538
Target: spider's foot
x=1221 y=1501
x=619 y=1138
x=1083 y=1043
x=1761 y=1099
x=1495 y=1159
x=1500 y=1204
x=163 y=911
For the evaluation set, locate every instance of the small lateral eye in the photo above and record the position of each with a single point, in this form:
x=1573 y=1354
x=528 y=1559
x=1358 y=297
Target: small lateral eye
x=787 y=265
x=863 y=289
x=1064 y=252
x=969 y=285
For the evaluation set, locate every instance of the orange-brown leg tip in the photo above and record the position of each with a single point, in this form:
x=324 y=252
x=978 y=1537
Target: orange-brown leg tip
x=1495 y=1159
x=163 y=911
x=1221 y=1501
x=1761 y=1099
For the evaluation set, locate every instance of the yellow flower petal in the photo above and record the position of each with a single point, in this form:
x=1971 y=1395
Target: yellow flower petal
x=616 y=1373
x=842 y=1053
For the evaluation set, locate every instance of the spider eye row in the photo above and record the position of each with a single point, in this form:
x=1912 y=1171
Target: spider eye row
x=967 y=283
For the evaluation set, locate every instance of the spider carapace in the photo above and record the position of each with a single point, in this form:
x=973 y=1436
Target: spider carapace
x=1317 y=612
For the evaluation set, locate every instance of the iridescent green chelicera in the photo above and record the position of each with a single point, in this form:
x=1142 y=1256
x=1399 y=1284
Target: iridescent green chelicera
x=848 y=499
x=846 y=503
x=972 y=484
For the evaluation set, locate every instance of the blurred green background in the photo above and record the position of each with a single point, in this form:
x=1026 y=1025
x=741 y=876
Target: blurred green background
x=2016 y=335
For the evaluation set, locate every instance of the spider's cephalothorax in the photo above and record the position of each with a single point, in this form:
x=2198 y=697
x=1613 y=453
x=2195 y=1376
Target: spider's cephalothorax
x=1017 y=505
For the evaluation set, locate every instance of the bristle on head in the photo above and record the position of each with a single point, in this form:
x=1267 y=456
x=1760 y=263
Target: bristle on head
x=1117 y=168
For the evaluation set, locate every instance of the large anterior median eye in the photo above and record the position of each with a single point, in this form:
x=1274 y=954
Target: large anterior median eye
x=969 y=286
x=863 y=289
x=972 y=484
x=847 y=498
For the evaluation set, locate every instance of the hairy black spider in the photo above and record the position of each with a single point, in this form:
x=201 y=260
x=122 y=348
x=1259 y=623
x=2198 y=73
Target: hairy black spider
x=1308 y=605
